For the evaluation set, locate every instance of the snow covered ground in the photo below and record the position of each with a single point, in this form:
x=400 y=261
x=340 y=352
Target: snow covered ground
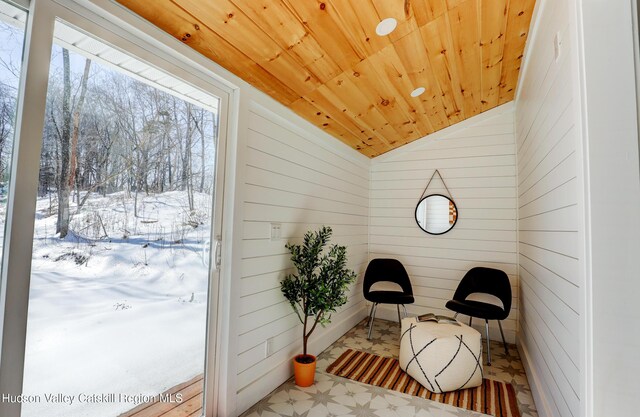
x=119 y=315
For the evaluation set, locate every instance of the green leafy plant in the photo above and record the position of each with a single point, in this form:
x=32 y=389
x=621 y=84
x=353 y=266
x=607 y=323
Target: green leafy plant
x=321 y=282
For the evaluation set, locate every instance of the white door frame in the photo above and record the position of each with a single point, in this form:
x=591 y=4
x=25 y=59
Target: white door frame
x=123 y=30
x=16 y=257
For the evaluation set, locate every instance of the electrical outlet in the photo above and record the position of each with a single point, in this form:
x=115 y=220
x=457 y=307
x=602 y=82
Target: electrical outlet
x=276 y=231
x=557 y=43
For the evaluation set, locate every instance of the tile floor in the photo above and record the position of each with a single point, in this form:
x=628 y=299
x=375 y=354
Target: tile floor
x=333 y=396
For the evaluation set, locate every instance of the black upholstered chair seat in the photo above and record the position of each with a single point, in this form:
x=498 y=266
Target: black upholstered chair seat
x=390 y=297
x=481 y=280
x=477 y=309
x=386 y=270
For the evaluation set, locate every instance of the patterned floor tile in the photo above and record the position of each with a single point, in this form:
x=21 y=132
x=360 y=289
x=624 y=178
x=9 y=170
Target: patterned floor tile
x=332 y=396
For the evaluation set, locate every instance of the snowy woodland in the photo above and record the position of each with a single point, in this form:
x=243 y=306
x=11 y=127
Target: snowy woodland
x=119 y=282
x=106 y=132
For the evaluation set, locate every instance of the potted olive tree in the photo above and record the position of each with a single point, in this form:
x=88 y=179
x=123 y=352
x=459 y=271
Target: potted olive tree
x=315 y=291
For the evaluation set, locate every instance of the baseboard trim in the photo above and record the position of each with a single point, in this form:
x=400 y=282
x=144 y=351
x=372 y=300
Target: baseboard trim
x=535 y=383
x=283 y=370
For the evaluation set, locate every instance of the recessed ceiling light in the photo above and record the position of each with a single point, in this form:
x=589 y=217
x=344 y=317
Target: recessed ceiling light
x=386 y=26
x=417 y=92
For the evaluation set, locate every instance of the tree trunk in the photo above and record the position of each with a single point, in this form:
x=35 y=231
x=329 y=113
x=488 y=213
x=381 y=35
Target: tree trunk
x=305 y=336
x=76 y=129
x=62 y=225
x=188 y=168
x=169 y=170
x=5 y=120
x=202 y=160
x=135 y=203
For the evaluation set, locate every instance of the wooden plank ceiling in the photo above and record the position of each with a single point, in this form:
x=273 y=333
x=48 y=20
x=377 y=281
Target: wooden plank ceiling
x=323 y=59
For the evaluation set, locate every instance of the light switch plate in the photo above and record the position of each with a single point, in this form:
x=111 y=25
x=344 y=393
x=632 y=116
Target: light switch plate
x=268 y=347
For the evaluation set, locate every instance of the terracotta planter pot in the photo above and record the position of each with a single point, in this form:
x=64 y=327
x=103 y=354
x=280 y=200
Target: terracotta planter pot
x=304 y=373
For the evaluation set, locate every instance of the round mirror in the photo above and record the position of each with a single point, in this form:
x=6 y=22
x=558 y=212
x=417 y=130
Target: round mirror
x=436 y=214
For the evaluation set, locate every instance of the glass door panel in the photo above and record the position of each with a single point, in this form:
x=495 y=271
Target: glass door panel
x=125 y=213
x=12 y=27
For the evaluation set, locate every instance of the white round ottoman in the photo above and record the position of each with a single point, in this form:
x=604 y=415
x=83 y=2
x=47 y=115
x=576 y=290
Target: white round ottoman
x=442 y=357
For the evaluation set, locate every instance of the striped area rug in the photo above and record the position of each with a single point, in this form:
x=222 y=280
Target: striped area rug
x=492 y=397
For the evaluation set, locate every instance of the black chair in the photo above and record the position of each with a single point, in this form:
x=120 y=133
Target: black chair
x=486 y=281
x=386 y=270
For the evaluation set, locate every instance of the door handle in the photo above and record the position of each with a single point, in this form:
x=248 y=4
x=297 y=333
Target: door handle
x=217 y=260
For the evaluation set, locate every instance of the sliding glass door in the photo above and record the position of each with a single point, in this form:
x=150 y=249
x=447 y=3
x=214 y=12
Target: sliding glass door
x=121 y=281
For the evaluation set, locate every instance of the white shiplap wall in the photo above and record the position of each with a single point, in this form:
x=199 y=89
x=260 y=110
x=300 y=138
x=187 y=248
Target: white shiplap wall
x=550 y=212
x=477 y=161
x=301 y=182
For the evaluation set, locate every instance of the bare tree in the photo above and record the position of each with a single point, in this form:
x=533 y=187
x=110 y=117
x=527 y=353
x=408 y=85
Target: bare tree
x=76 y=128
x=7 y=110
x=106 y=132
x=68 y=141
x=199 y=122
x=62 y=225
x=187 y=164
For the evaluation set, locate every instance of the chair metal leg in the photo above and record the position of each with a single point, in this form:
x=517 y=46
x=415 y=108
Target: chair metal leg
x=486 y=323
x=373 y=315
x=470 y=320
x=370 y=313
x=504 y=342
x=404 y=307
x=399 y=319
